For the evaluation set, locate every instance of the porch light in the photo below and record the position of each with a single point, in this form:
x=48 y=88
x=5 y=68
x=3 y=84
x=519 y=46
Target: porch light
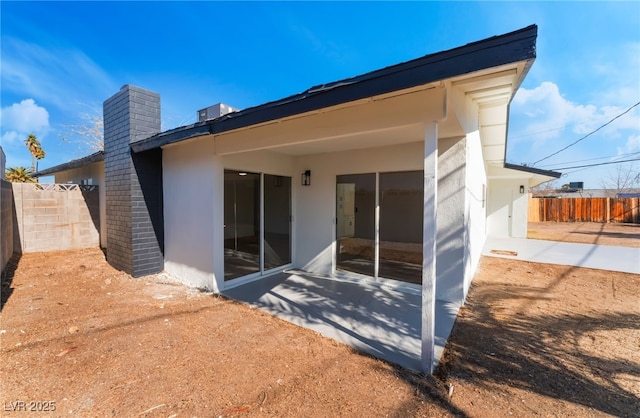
x=521 y=189
x=306 y=178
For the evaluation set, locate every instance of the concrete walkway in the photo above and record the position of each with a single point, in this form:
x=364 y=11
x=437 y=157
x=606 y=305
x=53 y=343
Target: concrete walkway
x=603 y=257
x=372 y=318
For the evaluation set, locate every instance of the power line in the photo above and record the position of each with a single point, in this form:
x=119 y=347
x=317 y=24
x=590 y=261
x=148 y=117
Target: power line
x=589 y=159
x=587 y=135
x=597 y=164
x=617 y=160
x=537 y=132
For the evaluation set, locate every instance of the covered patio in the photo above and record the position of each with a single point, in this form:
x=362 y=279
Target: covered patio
x=381 y=177
x=371 y=317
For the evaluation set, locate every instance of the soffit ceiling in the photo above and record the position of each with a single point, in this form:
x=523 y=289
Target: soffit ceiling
x=491 y=92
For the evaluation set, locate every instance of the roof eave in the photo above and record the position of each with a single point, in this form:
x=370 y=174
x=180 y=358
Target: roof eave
x=80 y=162
x=491 y=52
x=533 y=170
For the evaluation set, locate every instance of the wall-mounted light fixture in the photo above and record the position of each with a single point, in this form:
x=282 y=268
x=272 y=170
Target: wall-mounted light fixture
x=521 y=189
x=306 y=178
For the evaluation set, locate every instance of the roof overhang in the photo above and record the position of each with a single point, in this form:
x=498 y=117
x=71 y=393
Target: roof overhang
x=80 y=162
x=393 y=102
x=534 y=176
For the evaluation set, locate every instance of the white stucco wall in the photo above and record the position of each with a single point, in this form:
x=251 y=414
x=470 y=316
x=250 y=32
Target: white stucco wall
x=519 y=217
x=193 y=179
x=450 y=219
x=188 y=191
x=90 y=174
x=475 y=208
x=507 y=208
x=193 y=187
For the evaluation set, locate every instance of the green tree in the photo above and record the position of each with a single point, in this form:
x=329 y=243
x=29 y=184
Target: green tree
x=35 y=148
x=19 y=175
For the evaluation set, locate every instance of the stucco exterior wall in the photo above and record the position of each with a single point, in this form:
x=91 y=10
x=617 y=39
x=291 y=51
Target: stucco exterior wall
x=193 y=179
x=519 y=217
x=89 y=174
x=451 y=219
x=507 y=208
x=475 y=209
x=188 y=179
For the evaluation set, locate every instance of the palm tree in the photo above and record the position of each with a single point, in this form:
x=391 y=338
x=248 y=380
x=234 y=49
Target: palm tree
x=35 y=148
x=39 y=155
x=19 y=175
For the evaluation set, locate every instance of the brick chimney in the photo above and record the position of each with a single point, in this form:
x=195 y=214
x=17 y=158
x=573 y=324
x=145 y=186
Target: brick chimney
x=133 y=183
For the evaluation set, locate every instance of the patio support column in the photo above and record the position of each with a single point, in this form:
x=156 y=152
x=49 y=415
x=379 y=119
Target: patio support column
x=429 y=245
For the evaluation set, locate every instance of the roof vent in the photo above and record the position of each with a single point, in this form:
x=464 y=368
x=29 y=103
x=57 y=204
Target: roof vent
x=215 y=111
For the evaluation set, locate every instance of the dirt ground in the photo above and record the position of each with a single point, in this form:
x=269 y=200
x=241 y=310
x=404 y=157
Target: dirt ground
x=532 y=340
x=626 y=235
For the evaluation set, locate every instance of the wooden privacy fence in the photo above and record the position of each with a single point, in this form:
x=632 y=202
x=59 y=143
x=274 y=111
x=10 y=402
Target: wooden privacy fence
x=585 y=209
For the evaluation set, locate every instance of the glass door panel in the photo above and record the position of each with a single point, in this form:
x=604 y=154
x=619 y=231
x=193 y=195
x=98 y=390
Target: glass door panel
x=355 y=223
x=401 y=219
x=277 y=221
x=241 y=223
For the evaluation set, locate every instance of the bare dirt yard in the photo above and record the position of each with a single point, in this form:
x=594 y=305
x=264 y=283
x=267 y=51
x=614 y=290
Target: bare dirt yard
x=626 y=235
x=84 y=339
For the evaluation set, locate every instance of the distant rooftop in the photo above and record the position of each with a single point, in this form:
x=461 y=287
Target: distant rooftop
x=80 y=162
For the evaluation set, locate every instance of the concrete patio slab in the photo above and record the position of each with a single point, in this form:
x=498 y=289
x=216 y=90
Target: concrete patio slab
x=370 y=317
x=603 y=257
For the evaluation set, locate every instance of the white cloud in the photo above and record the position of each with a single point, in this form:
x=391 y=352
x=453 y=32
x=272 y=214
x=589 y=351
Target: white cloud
x=62 y=77
x=617 y=69
x=25 y=116
x=631 y=146
x=9 y=137
x=18 y=121
x=543 y=113
x=544 y=109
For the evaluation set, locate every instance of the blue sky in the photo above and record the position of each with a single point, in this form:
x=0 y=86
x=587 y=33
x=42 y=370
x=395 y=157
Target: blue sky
x=60 y=60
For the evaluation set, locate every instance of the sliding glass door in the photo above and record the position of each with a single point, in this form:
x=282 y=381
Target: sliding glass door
x=257 y=223
x=379 y=225
x=241 y=223
x=277 y=221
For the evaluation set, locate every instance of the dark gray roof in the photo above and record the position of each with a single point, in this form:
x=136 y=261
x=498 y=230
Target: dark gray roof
x=533 y=170
x=80 y=162
x=491 y=52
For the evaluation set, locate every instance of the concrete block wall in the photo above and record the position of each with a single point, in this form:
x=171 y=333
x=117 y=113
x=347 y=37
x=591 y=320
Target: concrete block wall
x=135 y=238
x=6 y=223
x=80 y=175
x=54 y=218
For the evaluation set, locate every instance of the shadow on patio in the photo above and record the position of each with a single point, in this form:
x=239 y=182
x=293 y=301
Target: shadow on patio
x=371 y=318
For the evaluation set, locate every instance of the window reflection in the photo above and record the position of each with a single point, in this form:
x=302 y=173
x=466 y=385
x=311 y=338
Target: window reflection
x=355 y=223
x=241 y=223
x=401 y=223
